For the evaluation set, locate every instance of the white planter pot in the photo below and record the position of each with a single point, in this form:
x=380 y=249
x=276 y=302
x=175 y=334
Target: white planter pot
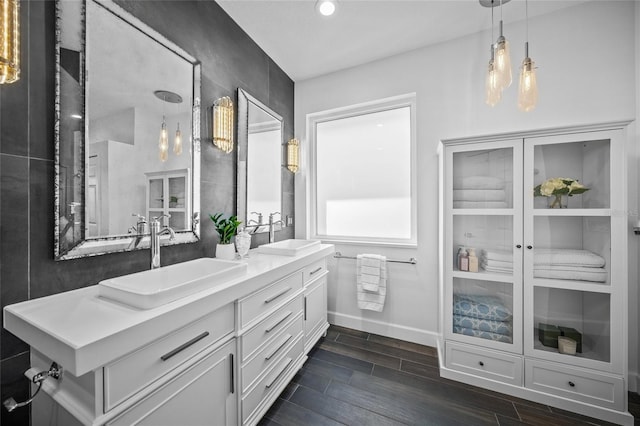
x=226 y=251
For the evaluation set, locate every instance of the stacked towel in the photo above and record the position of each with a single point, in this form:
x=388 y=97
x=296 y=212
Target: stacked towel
x=569 y=264
x=478 y=192
x=371 y=281
x=496 y=261
x=482 y=316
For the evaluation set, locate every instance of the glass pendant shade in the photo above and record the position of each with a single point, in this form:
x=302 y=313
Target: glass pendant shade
x=293 y=155
x=528 y=89
x=163 y=142
x=493 y=90
x=503 y=63
x=9 y=41
x=177 y=142
x=223 y=124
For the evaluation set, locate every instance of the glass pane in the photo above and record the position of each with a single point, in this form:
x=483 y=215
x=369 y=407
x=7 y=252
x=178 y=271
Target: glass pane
x=489 y=237
x=483 y=179
x=581 y=318
x=572 y=248
x=588 y=163
x=363 y=175
x=177 y=186
x=177 y=221
x=483 y=309
x=156 y=193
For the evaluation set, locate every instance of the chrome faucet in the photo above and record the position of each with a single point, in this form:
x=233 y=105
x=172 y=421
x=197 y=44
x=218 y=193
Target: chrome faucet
x=272 y=224
x=155 y=239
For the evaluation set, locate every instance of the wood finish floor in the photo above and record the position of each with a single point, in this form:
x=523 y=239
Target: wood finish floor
x=357 y=378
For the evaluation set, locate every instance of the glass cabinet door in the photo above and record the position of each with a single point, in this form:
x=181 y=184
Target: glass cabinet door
x=573 y=241
x=482 y=261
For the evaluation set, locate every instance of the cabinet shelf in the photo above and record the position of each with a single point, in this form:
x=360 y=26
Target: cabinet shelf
x=482 y=212
x=483 y=275
x=585 y=286
x=572 y=212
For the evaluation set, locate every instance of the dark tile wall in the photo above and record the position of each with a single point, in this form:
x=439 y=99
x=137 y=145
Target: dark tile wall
x=230 y=59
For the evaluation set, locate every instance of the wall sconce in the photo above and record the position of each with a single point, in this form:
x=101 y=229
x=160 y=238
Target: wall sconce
x=293 y=155
x=223 y=124
x=10 y=46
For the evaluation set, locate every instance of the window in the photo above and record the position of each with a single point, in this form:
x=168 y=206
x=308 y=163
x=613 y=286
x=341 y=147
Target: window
x=363 y=177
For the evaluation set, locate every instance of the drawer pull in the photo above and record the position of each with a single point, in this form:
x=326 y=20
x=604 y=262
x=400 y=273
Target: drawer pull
x=275 y=296
x=573 y=385
x=305 y=308
x=232 y=382
x=277 y=323
x=184 y=346
x=481 y=364
x=315 y=271
x=275 y=351
x=268 y=385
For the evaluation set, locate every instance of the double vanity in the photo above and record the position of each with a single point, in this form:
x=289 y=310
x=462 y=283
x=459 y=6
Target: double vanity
x=201 y=342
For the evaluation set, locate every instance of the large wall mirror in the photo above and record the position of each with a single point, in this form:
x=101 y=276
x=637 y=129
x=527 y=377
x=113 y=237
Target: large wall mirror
x=260 y=147
x=119 y=86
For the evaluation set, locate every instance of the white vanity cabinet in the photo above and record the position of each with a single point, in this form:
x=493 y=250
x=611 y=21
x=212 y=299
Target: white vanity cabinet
x=217 y=357
x=548 y=271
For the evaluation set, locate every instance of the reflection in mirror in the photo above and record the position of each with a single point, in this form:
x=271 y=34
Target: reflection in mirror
x=127 y=132
x=259 y=163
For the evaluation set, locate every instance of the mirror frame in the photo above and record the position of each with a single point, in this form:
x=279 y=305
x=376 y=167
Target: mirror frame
x=119 y=243
x=242 y=146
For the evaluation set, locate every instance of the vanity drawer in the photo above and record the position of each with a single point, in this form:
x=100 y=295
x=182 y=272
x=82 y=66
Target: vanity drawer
x=316 y=269
x=483 y=362
x=138 y=369
x=272 y=380
x=574 y=383
x=260 y=303
x=268 y=328
x=270 y=352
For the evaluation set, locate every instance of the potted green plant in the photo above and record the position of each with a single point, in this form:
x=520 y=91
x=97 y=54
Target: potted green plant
x=226 y=228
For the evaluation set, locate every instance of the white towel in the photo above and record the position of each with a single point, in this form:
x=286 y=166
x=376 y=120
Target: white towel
x=567 y=257
x=477 y=182
x=501 y=255
x=496 y=263
x=480 y=205
x=371 y=295
x=598 y=275
x=498 y=270
x=479 y=195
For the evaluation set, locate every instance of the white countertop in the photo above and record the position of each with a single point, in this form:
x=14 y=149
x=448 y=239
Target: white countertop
x=82 y=331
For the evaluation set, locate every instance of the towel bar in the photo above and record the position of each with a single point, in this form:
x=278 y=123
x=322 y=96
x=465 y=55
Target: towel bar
x=411 y=260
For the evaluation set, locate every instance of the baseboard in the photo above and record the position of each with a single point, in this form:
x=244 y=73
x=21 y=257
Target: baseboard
x=395 y=331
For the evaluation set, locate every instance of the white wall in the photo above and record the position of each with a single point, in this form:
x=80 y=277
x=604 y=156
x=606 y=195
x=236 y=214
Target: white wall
x=587 y=62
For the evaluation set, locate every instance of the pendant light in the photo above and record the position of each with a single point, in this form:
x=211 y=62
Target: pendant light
x=492 y=89
x=163 y=142
x=502 y=58
x=177 y=142
x=528 y=88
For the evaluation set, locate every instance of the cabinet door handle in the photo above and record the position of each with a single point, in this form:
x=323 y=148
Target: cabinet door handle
x=481 y=364
x=315 y=270
x=275 y=296
x=518 y=245
x=305 y=308
x=277 y=376
x=280 y=345
x=277 y=323
x=573 y=385
x=184 y=346
x=529 y=247
x=232 y=383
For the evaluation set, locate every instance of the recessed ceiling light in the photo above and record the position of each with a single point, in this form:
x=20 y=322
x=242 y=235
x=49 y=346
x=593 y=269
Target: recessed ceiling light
x=326 y=7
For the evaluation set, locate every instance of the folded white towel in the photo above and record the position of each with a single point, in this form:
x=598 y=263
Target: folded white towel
x=479 y=195
x=477 y=182
x=501 y=255
x=598 y=275
x=567 y=257
x=498 y=270
x=371 y=288
x=496 y=263
x=480 y=205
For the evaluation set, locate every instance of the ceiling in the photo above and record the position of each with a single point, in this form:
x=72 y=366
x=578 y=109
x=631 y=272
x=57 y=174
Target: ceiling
x=305 y=44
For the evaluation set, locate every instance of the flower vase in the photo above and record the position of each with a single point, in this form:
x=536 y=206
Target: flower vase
x=558 y=201
x=226 y=251
x=243 y=243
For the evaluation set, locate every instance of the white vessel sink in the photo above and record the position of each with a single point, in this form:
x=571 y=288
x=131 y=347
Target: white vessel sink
x=156 y=287
x=288 y=247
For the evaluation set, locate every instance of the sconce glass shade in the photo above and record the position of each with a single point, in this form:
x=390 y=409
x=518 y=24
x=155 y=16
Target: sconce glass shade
x=492 y=89
x=177 y=142
x=293 y=155
x=503 y=62
x=223 y=124
x=163 y=142
x=9 y=41
x=326 y=7
x=528 y=90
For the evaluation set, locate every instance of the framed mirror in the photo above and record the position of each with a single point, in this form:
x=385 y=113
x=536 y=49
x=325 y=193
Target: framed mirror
x=260 y=145
x=127 y=132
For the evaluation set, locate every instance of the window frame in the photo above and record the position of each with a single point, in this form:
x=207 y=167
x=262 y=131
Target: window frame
x=313 y=119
